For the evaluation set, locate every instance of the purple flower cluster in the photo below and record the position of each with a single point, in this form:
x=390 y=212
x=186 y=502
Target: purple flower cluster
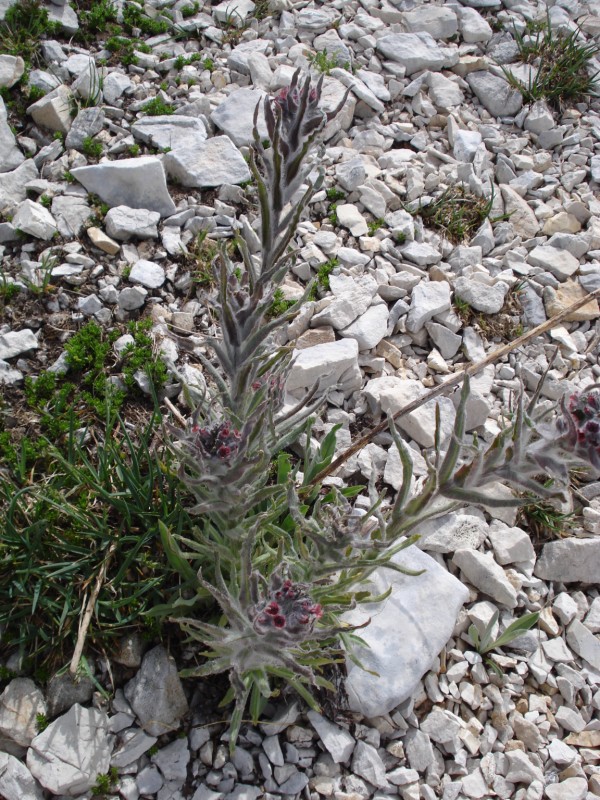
x=580 y=424
x=287 y=608
x=220 y=440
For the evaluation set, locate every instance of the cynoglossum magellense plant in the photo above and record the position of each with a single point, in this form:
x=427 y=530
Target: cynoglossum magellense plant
x=256 y=533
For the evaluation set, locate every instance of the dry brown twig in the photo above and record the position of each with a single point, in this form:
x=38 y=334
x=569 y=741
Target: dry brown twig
x=449 y=383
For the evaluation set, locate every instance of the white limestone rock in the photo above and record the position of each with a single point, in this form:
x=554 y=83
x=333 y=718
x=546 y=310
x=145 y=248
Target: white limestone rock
x=34 y=219
x=328 y=364
x=438 y=21
x=350 y=217
x=370 y=328
x=53 y=111
x=11 y=155
x=485 y=574
x=338 y=742
x=583 y=642
x=481 y=296
x=473 y=27
x=557 y=261
x=452 y=532
x=14 y=343
x=134 y=182
x=12 y=185
x=16 y=781
x=495 y=94
x=214 y=163
x=235 y=115
x=11 y=70
x=124 y=223
x=174 y=131
x=405 y=634
x=428 y=299
x=20 y=703
x=419 y=424
x=149 y=274
x=511 y=545
x=72 y=751
x=570 y=561
x=522 y=218
x=416 y=51
x=156 y=694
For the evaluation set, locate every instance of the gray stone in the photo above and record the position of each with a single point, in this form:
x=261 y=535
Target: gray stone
x=20 y=703
x=12 y=185
x=452 y=532
x=485 y=574
x=87 y=123
x=124 y=223
x=328 y=364
x=115 y=85
x=539 y=118
x=8 y=375
x=64 y=691
x=442 y=726
x=34 y=219
x=350 y=174
x=235 y=115
x=71 y=214
x=473 y=27
x=11 y=70
x=156 y=694
x=16 y=782
x=481 y=296
x=559 y=263
x=416 y=51
x=149 y=274
x=89 y=305
x=53 y=111
x=14 y=343
x=149 y=780
x=10 y=154
x=216 y=162
x=370 y=328
x=495 y=94
x=570 y=561
x=421 y=253
x=72 y=751
x=569 y=789
x=133 y=744
x=420 y=423
x=466 y=144
x=438 y=21
x=132 y=298
x=338 y=742
x=511 y=545
x=173 y=760
x=428 y=299
x=419 y=750
x=174 y=132
x=584 y=643
x=522 y=218
x=405 y=634
x=367 y=763
x=133 y=182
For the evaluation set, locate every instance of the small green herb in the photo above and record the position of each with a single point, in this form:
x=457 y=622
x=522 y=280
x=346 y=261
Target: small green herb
x=157 y=108
x=91 y=147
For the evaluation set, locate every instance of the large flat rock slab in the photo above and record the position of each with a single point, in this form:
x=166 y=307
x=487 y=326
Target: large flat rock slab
x=406 y=633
